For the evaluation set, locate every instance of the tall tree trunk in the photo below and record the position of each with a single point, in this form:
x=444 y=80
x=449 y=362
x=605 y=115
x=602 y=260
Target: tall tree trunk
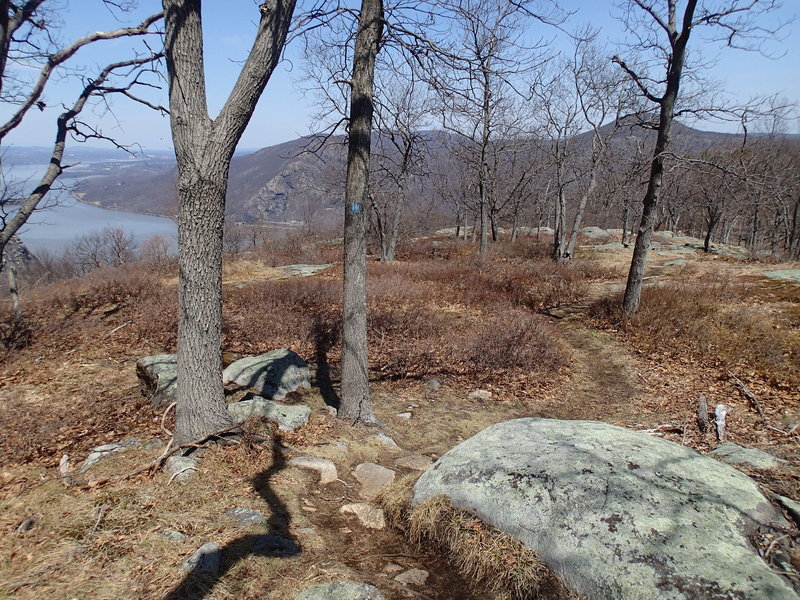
x=483 y=183
x=356 y=403
x=203 y=150
x=633 y=289
x=13 y=289
x=712 y=221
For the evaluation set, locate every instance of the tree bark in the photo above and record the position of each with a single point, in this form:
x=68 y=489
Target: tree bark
x=356 y=404
x=203 y=150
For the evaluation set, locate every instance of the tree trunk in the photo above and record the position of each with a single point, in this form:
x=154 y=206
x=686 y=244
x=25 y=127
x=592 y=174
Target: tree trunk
x=203 y=150
x=13 y=289
x=633 y=289
x=483 y=182
x=712 y=221
x=356 y=404
x=576 y=223
x=201 y=407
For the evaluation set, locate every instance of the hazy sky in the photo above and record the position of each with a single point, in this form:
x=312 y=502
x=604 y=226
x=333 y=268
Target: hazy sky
x=284 y=111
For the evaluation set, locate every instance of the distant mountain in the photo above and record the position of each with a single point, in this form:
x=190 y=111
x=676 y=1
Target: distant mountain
x=287 y=182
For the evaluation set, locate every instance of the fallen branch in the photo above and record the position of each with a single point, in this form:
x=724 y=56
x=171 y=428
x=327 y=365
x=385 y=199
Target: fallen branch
x=164 y=418
x=116 y=329
x=159 y=462
x=755 y=402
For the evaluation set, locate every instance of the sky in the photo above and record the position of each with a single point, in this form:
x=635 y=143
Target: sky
x=285 y=111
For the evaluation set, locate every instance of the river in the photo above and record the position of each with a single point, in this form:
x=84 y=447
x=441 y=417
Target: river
x=54 y=228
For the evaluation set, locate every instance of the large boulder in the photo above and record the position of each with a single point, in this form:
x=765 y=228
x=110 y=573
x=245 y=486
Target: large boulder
x=157 y=377
x=271 y=375
x=616 y=514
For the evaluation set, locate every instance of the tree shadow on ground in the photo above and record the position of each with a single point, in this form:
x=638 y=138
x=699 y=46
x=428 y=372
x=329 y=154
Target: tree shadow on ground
x=325 y=337
x=276 y=542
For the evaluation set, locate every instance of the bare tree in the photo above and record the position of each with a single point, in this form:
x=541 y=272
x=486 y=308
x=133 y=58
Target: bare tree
x=662 y=29
x=478 y=85
x=26 y=35
x=203 y=149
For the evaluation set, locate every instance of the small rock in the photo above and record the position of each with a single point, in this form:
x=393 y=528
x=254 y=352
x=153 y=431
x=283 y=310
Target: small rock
x=325 y=468
x=245 y=517
x=369 y=516
x=288 y=417
x=205 y=560
x=433 y=384
x=306 y=531
x=392 y=568
x=173 y=535
x=157 y=377
x=100 y=452
x=373 y=478
x=413 y=577
x=792 y=507
x=342 y=445
x=415 y=462
x=272 y=375
x=480 y=395
x=385 y=440
x=26 y=525
x=274 y=545
x=734 y=454
x=182 y=467
x=339 y=590
x=403 y=415
x=331 y=410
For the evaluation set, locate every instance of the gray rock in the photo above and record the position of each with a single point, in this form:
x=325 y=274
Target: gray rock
x=340 y=590
x=302 y=270
x=98 y=453
x=617 y=514
x=205 y=560
x=415 y=462
x=734 y=454
x=273 y=545
x=369 y=516
x=26 y=525
x=784 y=274
x=433 y=384
x=307 y=531
x=480 y=395
x=373 y=478
x=245 y=517
x=157 y=376
x=403 y=415
x=594 y=233
x=181 y=467
x=413 y=577
x=288 y=416
x=392 y=569
x=385 y=440
x=271 y=375
x=323 y=466
x=173 y=535
x=792 y=507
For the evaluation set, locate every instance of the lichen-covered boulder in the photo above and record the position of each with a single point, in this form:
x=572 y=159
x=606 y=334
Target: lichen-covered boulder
x=734 y=454
x=157 y=376
x=271 y=375
x=615 y=513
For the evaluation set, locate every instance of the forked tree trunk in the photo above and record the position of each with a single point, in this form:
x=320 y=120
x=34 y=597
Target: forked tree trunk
x=356 y=404
x=203 y=150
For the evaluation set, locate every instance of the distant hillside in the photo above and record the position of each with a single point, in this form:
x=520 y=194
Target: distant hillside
x=286 y=182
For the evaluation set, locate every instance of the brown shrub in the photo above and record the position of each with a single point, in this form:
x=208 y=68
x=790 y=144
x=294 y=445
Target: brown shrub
x=710 y=321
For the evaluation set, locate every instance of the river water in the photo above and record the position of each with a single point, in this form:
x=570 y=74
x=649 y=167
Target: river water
x=67 y=218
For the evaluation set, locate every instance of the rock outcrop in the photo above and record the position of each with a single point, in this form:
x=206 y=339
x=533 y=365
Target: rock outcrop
x=616 y=514
x=272 y=375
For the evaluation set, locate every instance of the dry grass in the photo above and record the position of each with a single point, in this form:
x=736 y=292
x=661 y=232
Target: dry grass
x=715 y=321
x=507 y=569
